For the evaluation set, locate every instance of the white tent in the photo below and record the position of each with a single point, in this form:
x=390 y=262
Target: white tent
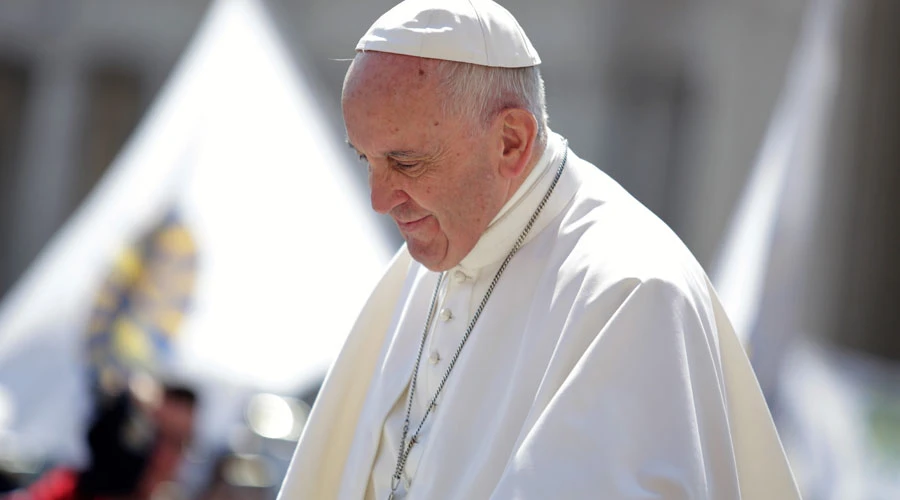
x=774 y=210
x=288 y=247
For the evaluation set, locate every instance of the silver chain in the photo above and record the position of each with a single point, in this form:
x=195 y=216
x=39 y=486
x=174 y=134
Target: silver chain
x=405 y=448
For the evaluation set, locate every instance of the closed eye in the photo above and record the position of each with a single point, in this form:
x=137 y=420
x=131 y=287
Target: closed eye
x=405 y=165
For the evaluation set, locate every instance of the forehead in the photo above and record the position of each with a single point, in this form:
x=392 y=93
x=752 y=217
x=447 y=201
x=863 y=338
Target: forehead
x=390 y=83
x=374 y=73
x=393 y=102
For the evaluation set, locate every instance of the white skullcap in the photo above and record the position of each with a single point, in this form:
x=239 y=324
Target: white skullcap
x=470 y=31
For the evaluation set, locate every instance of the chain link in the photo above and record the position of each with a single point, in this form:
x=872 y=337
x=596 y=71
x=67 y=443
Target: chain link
x=405 y=448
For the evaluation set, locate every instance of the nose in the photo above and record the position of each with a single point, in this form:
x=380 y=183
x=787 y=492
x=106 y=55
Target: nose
x=385 y=194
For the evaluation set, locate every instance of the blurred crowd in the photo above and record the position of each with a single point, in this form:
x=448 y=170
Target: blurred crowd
x=138 y=437
x=138 y=440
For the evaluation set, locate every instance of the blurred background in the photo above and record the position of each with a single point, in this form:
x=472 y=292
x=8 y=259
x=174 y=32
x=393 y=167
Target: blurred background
x=165 y=167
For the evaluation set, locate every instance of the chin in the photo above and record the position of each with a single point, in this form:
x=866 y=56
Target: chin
x=429 y=262
x=438 y=268
x=430 y=259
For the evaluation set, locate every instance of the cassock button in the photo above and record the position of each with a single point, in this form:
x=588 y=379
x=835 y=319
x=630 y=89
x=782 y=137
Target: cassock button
x=446 y=314
x=435 y=358
x=459 y=276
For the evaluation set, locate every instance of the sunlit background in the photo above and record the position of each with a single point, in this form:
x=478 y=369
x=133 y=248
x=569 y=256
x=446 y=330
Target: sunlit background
x=188 y=154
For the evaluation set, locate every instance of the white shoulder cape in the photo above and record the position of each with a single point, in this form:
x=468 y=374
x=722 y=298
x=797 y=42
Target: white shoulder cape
x=641 y=390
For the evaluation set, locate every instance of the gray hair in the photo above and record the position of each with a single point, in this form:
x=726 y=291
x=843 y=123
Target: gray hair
x=479 y=92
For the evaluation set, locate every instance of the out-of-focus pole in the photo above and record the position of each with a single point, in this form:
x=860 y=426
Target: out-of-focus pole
x=854 y=272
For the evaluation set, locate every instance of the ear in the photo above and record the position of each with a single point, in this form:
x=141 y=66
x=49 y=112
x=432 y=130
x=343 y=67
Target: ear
x=518 y=133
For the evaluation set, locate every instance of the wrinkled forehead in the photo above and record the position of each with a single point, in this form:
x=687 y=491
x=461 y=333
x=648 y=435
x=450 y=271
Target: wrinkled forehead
x=385 y=75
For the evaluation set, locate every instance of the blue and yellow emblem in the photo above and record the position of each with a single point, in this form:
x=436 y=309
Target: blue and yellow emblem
x=143 y=301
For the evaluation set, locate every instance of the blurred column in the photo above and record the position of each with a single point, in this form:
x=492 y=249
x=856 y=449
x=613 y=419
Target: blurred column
x=740 y=51
x=45 y=176
x=855 y=268
x=14 y=82
x=42 y=179
x=650 y=101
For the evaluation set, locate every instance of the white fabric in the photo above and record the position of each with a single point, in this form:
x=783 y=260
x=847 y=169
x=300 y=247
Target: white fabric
x=602 y=367
x=461 y=293
x=470 y=31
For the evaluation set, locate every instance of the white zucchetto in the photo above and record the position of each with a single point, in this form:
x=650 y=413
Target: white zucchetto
x=470 y=31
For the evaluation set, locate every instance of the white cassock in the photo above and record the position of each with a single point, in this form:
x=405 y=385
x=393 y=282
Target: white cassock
x=603 y=367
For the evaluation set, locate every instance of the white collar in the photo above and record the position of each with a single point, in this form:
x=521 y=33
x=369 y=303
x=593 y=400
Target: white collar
x=500 y=235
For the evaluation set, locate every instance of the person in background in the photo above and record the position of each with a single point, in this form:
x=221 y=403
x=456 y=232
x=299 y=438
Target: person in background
x=541 y=335
x=174 y=419
x=136 y=442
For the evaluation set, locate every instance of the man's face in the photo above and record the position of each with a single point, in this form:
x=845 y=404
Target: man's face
x=435 y=174
x=175 y=424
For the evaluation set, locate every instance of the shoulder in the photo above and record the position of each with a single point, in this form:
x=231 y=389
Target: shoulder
x=609 y=237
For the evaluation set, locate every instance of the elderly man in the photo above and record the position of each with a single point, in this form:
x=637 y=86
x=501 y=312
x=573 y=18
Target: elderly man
x=541 y=335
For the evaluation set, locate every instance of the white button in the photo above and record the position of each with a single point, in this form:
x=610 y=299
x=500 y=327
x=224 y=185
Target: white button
x=435 y=358
x=446 y=314
x=459 y=276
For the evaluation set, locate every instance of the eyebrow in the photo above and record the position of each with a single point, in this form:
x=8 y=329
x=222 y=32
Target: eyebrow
x=391 y=154
x=404 y=154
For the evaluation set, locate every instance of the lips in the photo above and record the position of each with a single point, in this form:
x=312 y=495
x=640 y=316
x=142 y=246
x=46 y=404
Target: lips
x=411 y=225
